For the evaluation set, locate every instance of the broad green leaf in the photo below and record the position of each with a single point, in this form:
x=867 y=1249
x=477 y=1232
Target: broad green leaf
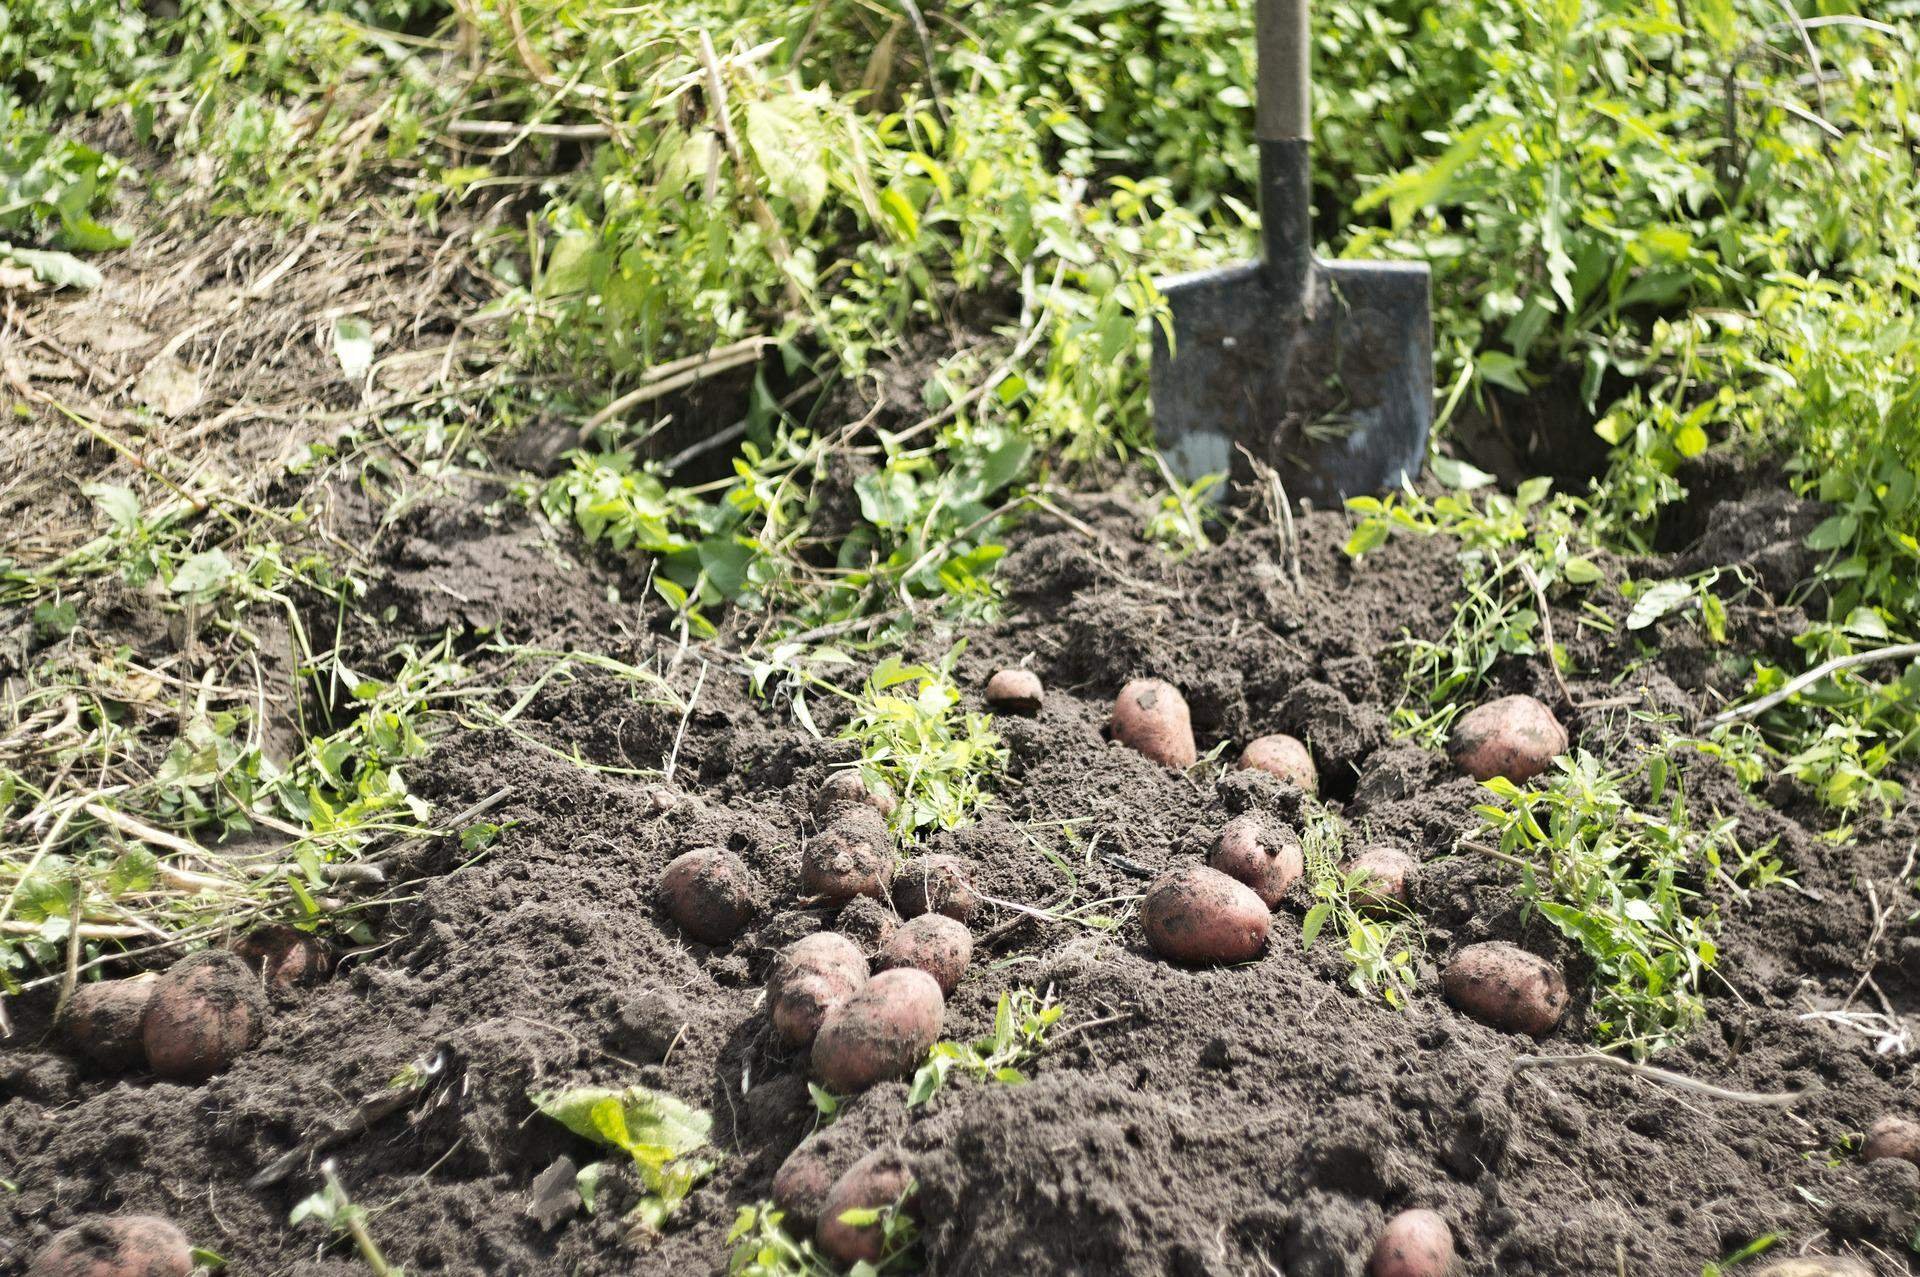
x=785 y=138
x=1657 y=601
x=353 y=346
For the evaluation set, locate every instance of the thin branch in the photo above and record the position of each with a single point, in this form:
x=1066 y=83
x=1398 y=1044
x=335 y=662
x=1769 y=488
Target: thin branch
x=1775 y=1099
x=1812 y=676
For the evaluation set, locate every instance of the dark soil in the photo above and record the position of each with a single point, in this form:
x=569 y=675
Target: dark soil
x=1259 y=1119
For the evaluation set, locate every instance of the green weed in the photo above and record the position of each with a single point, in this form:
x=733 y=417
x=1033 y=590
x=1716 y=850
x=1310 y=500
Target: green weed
x=1020 y=1026
x=1383 y=940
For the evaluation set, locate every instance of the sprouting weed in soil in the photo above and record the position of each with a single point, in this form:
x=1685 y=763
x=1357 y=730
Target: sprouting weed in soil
x=936 y=758
x=332 y=1207
x=1752 y=1250
x=1623 y=882
x=668 y=1140
x=1021 y=1022
x=761 y=1246
x=1383 y=939
x=1179 y=524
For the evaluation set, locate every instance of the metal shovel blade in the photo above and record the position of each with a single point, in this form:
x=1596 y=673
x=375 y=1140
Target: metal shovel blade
x=1331 y=385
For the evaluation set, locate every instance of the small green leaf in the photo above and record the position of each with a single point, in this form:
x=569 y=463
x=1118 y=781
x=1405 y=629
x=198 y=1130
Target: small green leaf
x=353 y=346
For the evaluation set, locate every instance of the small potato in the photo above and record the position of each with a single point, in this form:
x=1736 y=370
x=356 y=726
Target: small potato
x=1515 y=736
x=1416 y=1243
x=880 y=1032
x=1196 y=914
x=1816 y=1266
x=205 y=1011
x=1261 y=853
x=847 y=789
x=875 y=1182
x=1151 y=716
x=810 y=977
x=801 y=1185
x=116 y=1246
x=1387 y=870
x=1015 y=691
x=1283 y=756
x=284 y=956
x=852 y=857
x=1505 y=987
x=935 y=944
x=708 y=893
x=1893 y=1136
x=936 y=884
x=869 y=923
x=104 y=1018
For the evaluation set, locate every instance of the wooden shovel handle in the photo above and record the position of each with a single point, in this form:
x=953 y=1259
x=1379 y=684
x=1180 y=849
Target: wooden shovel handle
x=1283 y=89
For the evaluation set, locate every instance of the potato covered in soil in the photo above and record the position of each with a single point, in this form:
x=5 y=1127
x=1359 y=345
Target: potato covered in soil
x=1150 y=715
x=1505 y=987
x=1199 y=915
x=1387 y=870
x=1259 y=852
x=875 y=1182
x=1816 y=1266
x=846 y=789
x=1416 y=1243
x=880 y=1032
x=935 y=884
x=103 y=1021
x=851 y=857
x=810 y=977
x=116 y=1246
x=1893 y=1136
x=284 y=956
x=1283 y=756
x=933 y=943
x=1516 y=736
x=204 y=1012
x=1015 y=691
x=801 y=1185
x=708 y=893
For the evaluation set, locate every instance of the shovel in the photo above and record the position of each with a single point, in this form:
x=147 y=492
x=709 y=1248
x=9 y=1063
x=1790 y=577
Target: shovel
x=1322 y=370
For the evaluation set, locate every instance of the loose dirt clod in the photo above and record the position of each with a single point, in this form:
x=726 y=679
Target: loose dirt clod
x=1151 y=715
x=116 y=1246
x=1015 y=691
x=204 y=1012
x=1505 y=987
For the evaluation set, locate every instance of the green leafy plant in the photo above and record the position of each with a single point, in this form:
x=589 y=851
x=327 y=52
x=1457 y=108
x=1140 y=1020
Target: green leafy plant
x=1383 y=939
x=934 y=758
x=1020 y=1026
x=666 y=1138
x=332 y=1207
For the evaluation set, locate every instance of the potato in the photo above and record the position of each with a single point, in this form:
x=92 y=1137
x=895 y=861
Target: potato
x=880 y=1032
x=103 y=1021
x=1515 y=736
x=1151 y=716
x=801 y=1185
x=1196 y=914
x=1416 y=1243
x=708 y=893
x=1893 y=1136
x=1387 y=870
x=933 y=943
x=936 y=884
x=284 y=956
x=1015 y=691
x=869 y=923
x=852 y=857
x=205 y=1011
x=1261 y=853
x=847 y=789
x=1505 y=987
x=810 y=977
x=875 y=1182
x=1283 y=756
x=1816 y=1266
x=116 y=1246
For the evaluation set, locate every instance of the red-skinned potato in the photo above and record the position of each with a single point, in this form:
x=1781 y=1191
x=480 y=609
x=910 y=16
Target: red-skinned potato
x=847 y=789
x=880 y=1032
x=1015 y=691
x=1199 y=915
x=810 y=977
x=284 y=956
x=1259 y=852
x=875 y=1182
x=1515 y=736
x=933 y=943
x=1387 y=870
x=1893 y=1136
x=116 y=1246
x=1151 y=716
x=851 y=857
x=1416 y=1243
x=935 y=884
x=708 y=894
x=1283 y=756
x=103 y=1020
x=801 y=1185
x=205 y=1011
x=1505 y=987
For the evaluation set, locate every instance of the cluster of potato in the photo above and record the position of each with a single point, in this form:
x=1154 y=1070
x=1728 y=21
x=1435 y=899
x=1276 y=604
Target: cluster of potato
x=811 y=1196
x=186 y=1023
